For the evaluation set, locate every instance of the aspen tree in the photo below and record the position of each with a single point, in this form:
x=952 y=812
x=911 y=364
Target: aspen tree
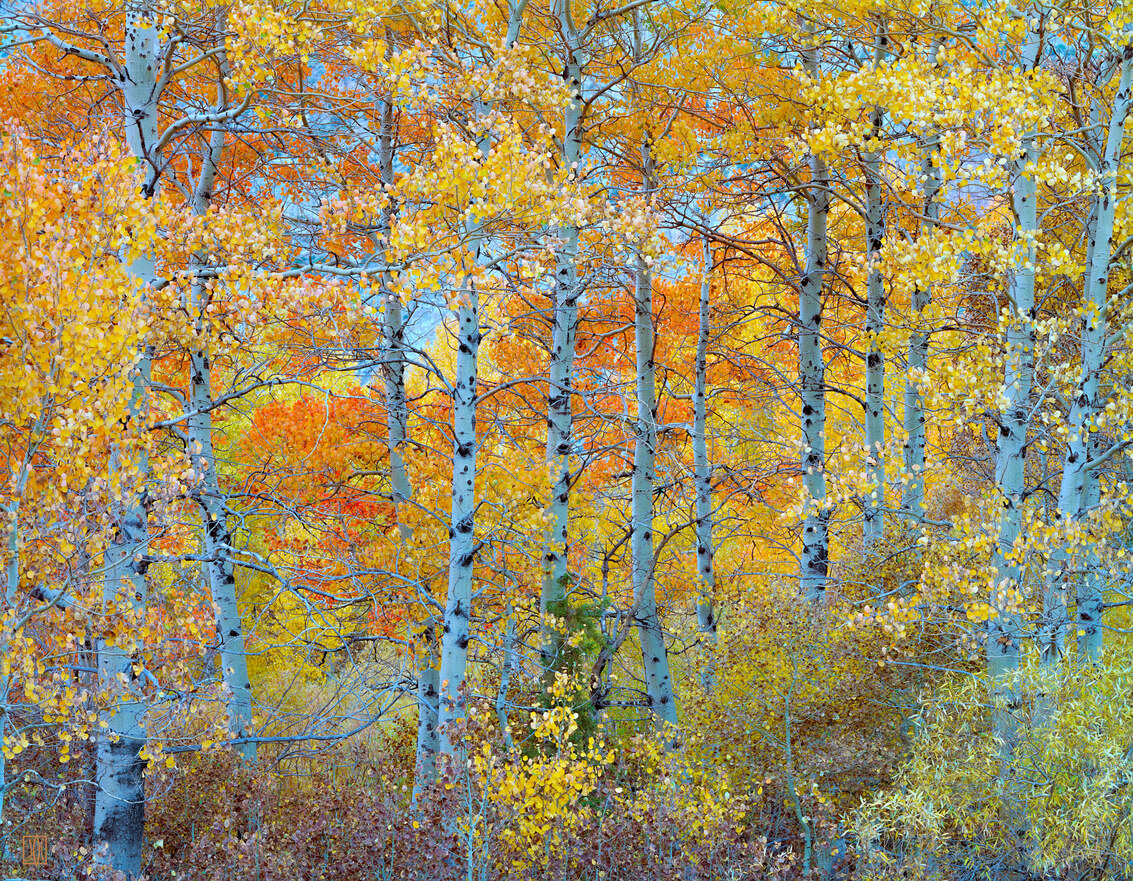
x=1006 y=629
x=655 y=657
x=220 y=564
x=874 y=522
x=705 y=550
x=141 y=75
x=1085 y=403
x=916 y=359
x=812 y=363
x=564 y=338
x=456 y=627
x=119 y=803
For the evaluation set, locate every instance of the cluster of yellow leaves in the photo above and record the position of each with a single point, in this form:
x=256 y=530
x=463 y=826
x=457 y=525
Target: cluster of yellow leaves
x=1066 y=800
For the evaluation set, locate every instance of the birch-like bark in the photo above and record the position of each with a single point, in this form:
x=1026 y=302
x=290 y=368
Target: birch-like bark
x=812 y=371
x=456 y=629
x=220 y=565
x=655 y=657
x=428 y=699
x=564 y=334
x=874 y=520
x=1091 y=586
x=1085 y=403
x=1006 y=627
x=913 y=416
x=456 y=625
x=119 y=801
x=705 y=549
x=458 y=609
x=394 y=362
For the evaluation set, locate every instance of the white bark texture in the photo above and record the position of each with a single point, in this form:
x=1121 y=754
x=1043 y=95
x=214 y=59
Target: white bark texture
x=814 y=559
x=655 y=658
x=913 y=452
x=705 y=549
x=456 y=625
x=812 y=381
x=1006 y=627
x=458 y=609
x=564 y=333
x=874 y=508
x=220 y=565
x=119 y=800
x=1085 y=403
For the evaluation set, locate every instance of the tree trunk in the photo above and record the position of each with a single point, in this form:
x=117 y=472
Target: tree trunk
x=912 y=496
x=456 y=628
x=705 y=550
x=458 y=609
x=1006 y=627
x=1085 y=403
x=564 y=334
x=119 y=802
x=220 y=565
x=812 y=379
x=874 y=521
x=655 y=658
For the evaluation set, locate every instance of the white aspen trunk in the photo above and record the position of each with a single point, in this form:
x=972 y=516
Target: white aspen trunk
x=1085 y=402
x=1006 y=627
x=814 y=560
x=655 y=657
x=874 y=521
x=119 y=799
x=119 y=804
x=812 y=381
x=705 y=550
x=1091 y=587
x=428 y=698
x=913 y=492
x=506 y=664
x=564 y=335
x=458 y=610
x=220 y=565
x=456 y=625
x=394 y=361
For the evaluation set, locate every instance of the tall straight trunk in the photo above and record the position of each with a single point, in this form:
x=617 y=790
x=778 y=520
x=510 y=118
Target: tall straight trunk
x=564 y=334
x=456 y=625
x=119 y=799
x=814 y=560
x=655 y=657
x=1006 y=627
x=394 y=362
x=705 y=550
x=1085 y=403
x=812 y=381
x=428 y=700
x=119 y=804
x=458 y=609
x=874 y=521
x=913 y=452
x=1091 y=593
x=220 y=565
